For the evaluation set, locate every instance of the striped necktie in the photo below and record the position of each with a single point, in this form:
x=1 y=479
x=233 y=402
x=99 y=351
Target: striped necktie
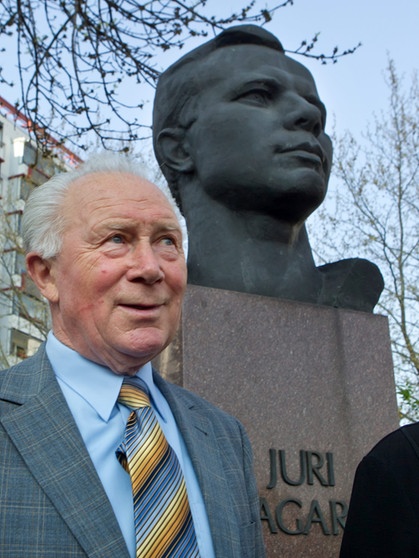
x=163 y=521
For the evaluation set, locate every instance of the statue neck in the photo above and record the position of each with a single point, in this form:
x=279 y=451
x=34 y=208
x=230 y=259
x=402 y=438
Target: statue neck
x=250 y=252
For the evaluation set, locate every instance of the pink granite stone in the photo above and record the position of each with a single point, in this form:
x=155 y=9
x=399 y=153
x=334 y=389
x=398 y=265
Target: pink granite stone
x=313 y=386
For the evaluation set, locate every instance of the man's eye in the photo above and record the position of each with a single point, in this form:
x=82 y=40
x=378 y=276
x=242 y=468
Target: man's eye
x=168 y=241
x=117 y=239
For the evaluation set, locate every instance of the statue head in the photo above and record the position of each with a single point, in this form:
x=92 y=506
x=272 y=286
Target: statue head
x=242 y=121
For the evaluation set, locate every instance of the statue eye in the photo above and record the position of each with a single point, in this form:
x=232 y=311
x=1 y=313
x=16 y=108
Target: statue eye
x=257 y=96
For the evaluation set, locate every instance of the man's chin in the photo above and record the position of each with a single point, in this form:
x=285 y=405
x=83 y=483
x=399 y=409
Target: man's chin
x=150 y=345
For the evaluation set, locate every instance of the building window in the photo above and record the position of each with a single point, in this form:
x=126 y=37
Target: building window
x=29 y=154
x=23 y=345
x=26 y=188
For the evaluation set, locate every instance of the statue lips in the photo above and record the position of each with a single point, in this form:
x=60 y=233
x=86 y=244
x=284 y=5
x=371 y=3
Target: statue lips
x=309 y=152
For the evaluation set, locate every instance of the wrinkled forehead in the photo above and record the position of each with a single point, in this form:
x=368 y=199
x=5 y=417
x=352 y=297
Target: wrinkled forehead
x=118 y=190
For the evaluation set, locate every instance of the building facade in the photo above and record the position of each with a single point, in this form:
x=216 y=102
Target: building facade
x=24 y=315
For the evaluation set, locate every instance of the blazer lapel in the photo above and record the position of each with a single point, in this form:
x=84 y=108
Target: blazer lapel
x=44 y=432
x=203 y=448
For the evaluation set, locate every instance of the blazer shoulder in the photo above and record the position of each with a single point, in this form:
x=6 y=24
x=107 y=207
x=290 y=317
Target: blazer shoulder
x=411 y=433
x=400 y=445
x=26 y=379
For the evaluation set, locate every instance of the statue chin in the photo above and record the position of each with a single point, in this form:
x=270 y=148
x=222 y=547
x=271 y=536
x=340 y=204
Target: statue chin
x=291 y=206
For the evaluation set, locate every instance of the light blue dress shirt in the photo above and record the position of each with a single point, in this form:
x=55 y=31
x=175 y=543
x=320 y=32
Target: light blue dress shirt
x=91 y=392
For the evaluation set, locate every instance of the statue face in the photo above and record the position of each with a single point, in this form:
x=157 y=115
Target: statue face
x=257 y=141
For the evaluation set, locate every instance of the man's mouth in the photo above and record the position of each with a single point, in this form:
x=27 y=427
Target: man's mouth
x=140 y=307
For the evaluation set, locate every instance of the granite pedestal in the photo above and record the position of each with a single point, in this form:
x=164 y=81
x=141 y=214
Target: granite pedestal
x=313 y=386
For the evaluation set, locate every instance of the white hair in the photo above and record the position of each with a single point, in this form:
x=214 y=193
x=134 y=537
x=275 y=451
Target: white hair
x=43 y=225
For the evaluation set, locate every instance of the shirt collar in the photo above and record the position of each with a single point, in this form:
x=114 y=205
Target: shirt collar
x=102 y=388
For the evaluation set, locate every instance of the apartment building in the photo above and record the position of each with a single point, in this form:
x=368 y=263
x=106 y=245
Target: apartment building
x=24 y=315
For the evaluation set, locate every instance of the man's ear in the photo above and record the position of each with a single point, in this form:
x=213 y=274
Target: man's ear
x=42 y=274
x=174 y=150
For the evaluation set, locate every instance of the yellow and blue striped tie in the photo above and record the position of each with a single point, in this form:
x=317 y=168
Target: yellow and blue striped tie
x=163 y=521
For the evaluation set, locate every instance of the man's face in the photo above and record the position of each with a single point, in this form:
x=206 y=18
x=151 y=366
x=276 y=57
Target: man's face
x=120 y=277
x=258 y=141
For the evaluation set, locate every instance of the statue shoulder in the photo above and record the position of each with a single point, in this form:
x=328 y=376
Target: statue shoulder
x=353 y=283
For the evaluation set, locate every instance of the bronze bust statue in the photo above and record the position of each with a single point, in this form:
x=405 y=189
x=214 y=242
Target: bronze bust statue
x=239 y=133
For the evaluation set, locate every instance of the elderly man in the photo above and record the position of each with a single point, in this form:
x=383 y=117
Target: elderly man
x=99 y=456
x=239 y=132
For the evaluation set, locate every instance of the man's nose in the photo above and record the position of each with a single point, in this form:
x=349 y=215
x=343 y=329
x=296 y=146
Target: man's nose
x=303 y=115
x=144 y=265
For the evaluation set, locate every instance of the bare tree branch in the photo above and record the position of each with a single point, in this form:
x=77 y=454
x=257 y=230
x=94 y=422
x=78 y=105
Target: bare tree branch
x=76 y=58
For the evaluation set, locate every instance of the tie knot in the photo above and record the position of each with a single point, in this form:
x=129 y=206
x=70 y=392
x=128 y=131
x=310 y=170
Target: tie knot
x=134 y=394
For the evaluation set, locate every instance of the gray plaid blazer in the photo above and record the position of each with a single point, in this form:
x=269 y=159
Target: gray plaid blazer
x=52 y=503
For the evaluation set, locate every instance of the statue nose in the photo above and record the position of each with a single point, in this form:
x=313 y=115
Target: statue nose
x=304 y=115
